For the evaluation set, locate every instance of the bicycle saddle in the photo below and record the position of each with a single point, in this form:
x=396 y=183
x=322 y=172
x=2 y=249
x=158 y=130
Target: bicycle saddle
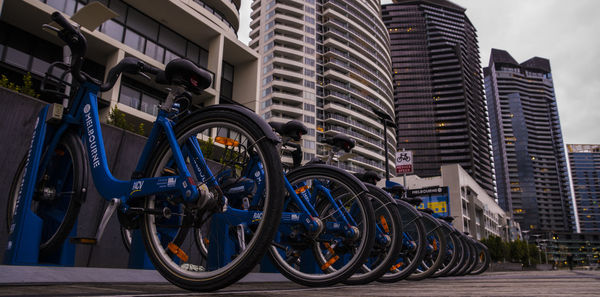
x=293 y=129
x=368 y=176
x=427 y=210
x=416 y=201
x=342 y=141
x=396 y=190
x=448 y=219
x=186 y=73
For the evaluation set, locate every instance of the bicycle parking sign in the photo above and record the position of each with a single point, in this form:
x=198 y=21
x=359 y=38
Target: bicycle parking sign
x=404 y=163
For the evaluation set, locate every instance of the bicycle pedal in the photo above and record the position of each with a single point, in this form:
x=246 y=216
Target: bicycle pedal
x=83 y=240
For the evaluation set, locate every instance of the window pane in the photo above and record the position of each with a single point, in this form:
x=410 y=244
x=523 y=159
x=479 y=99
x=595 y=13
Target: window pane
x=129 y=97
x=134 y=40
x=143 y=24
x=154 y=51
x=172 y=41
x=149 y=104
x=16 y=58
x=113 y=29
x=169 y=55
x=39 y=67
x=193 y=52
x=203 y=61
x=120 y=8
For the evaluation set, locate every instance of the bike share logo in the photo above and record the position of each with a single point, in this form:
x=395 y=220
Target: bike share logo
x=137 y=186
x=91 y=136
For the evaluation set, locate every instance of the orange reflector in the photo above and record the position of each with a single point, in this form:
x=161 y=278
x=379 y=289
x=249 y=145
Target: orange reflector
x=435 y=246
x=59 y=152
x=169 y=171
x=384 y=224
x=178 y=252
x=330 y=262
x=226 y=141
x=206 y=241
x=328 y=247
x=301 y=189
x=396 y=266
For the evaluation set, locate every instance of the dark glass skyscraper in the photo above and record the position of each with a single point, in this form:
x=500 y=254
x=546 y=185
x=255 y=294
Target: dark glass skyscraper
x=585 y=173
x=531 y=170
x=438 y=93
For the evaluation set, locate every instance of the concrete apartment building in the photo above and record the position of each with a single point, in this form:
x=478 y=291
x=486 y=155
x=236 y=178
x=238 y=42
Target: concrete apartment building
x=472 y=208
x=584 y=160
x=327 y=64
x=438 y=91
x=529 y=155
x=154 y=31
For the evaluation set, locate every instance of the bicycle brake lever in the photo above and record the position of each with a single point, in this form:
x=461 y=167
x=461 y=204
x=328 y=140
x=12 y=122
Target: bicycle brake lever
x=144 y=75
x=50 y=28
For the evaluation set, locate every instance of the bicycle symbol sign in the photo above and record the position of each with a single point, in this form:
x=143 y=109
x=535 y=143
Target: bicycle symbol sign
x=404 y=162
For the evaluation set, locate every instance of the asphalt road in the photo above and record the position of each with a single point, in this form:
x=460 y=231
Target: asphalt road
x=520 y=283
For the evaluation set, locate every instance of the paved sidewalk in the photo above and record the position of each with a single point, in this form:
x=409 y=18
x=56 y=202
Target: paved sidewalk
x=518 y=283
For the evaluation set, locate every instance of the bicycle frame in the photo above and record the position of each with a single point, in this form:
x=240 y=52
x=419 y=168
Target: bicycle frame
x=84 y=115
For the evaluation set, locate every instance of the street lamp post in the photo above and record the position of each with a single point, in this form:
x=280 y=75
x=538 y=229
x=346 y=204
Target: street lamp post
x=386 y=120
x=537 y=243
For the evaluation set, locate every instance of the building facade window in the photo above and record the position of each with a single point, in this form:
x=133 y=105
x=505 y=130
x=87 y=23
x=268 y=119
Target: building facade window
x=140 y=97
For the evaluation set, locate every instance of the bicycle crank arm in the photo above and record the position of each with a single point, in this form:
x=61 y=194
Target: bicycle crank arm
x=112 y=206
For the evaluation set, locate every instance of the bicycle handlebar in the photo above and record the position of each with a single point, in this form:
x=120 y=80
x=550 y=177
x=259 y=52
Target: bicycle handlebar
x=78 y=45
x=76 y=42
x=128 y=65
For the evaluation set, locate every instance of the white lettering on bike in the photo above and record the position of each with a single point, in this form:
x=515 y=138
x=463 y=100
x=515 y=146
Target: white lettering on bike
x=91 y=137
x=16 y=210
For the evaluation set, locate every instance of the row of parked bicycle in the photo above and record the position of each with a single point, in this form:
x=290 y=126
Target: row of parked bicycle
x=210 y=197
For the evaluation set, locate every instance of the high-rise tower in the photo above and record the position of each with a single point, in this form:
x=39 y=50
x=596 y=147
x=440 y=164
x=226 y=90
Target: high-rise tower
x=438 y=93
x=529 y=156
x=327 y=63
x=584 y=160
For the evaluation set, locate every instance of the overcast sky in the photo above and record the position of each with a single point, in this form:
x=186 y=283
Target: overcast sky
x=565 y=32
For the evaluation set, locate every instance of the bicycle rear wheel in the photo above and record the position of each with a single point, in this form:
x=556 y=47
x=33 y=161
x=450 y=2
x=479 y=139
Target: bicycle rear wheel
x=388 y=238
x=238 y=229
x=413 y=244
x=328 y=256
x=59 y=192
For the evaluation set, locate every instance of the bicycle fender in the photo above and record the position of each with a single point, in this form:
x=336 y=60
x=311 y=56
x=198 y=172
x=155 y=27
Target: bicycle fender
x=247 y=113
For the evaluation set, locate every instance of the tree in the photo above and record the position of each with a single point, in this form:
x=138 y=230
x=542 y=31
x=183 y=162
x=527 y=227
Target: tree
x=117 y=118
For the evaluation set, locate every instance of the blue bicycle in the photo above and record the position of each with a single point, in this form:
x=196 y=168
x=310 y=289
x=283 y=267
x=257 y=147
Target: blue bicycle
x=189 y=162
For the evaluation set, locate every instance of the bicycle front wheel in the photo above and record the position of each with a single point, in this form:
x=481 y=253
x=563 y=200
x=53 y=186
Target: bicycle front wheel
x=237 y=224
x=388 y=238
x=331 y=254
x=58 y=194
x=483 y=259
x=435 y=251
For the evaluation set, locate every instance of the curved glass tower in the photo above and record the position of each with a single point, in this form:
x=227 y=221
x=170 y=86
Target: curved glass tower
x=327 y=63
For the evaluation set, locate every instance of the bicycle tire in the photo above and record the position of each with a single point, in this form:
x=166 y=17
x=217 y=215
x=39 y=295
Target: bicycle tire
x=436 y=251
x=326 y=274
x=483 y=259
x=472 y=258
x=464 y=256
x=454 y=250
x=382 y=256
x=58 y=195
x=195 y=272
x=413 y=250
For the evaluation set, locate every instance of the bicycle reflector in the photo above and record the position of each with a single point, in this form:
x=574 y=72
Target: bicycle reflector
x=226 y=141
